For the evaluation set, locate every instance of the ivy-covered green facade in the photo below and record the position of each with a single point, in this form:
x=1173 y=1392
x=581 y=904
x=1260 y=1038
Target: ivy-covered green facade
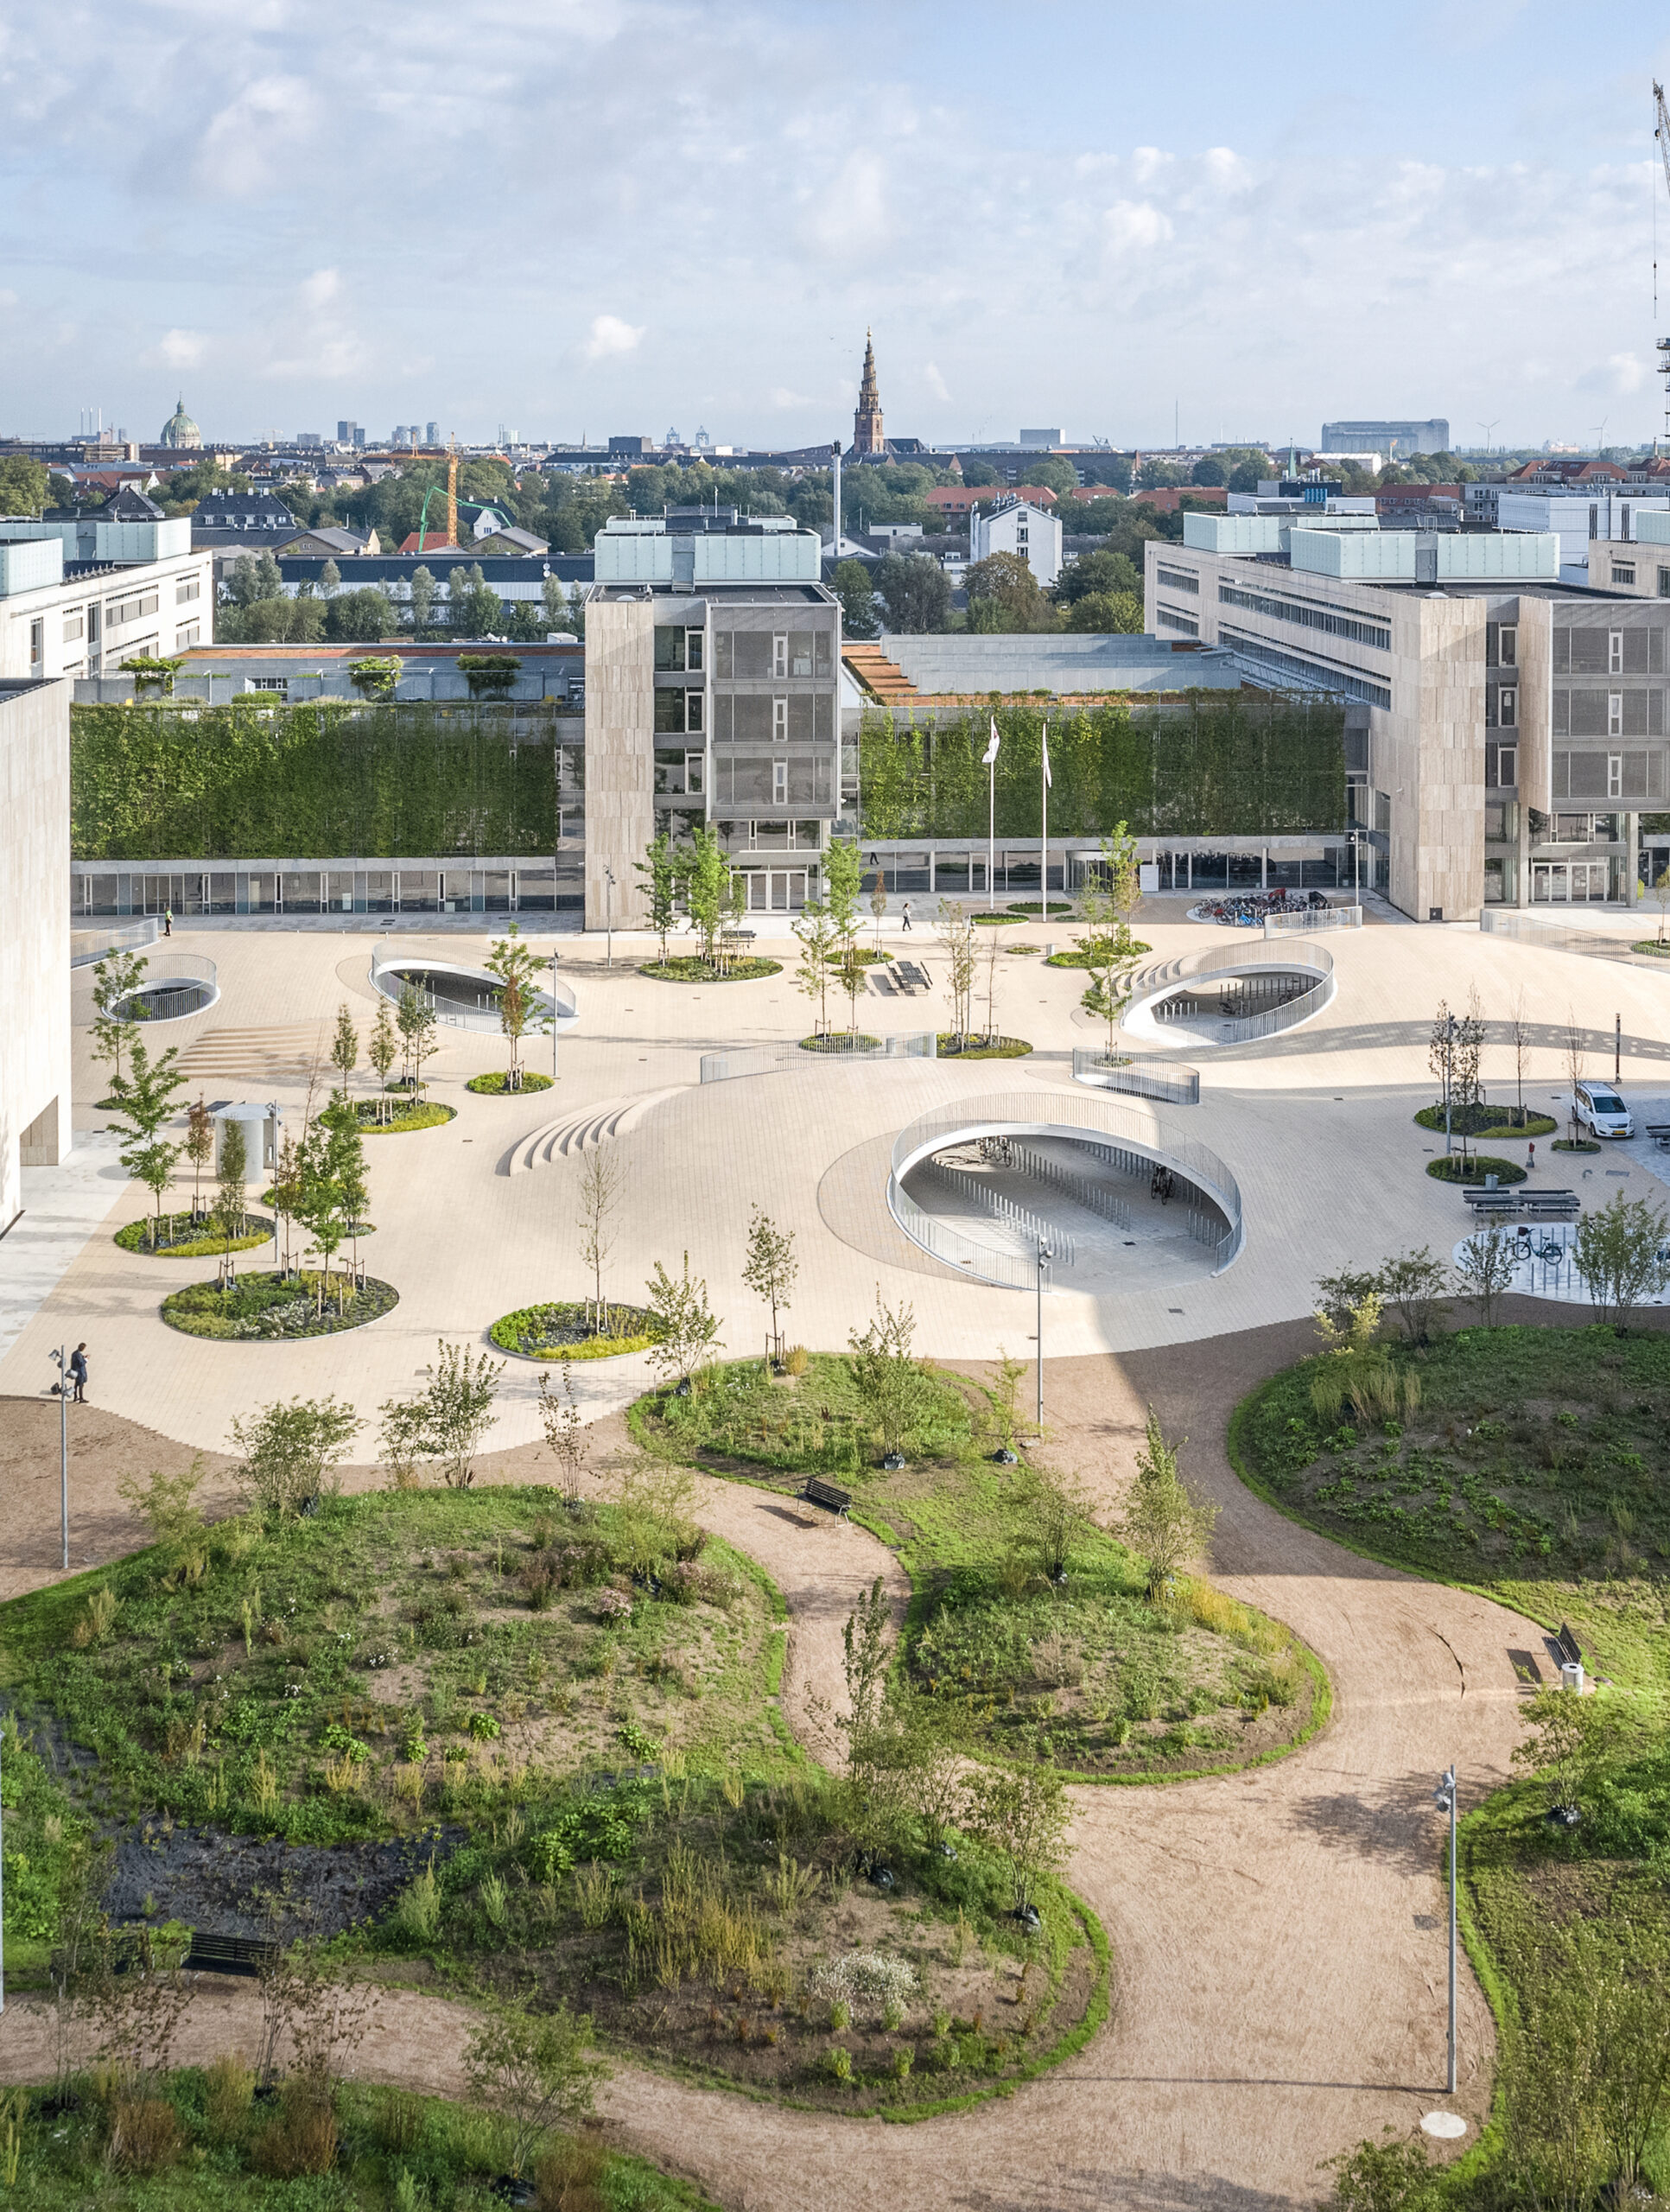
x=1215 y=764
x=260 y=778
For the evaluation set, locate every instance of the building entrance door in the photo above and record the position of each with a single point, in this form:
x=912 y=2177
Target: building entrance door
x=1560 y=883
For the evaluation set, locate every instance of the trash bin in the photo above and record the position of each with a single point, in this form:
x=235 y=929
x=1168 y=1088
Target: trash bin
x=1570 y=1675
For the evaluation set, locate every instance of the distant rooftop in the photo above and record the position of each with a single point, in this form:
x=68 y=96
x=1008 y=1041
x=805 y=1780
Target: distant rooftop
x=942 y=666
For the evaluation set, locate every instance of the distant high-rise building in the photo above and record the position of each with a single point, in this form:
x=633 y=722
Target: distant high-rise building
x=1396 y=439
x=867 y=416
x=432 y=434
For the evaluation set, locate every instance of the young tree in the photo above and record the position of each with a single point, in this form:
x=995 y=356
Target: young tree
x=770 y=1268
x=1050 y=1512
x=1164 y=1522
x=1342 y=1295
x=534 y=2070
x=889 y=1381
x=565 y=1431
x=330 y=579
x=865 y=1642
x=956 y=934
x=1571 y=1741
x=230 y=1202
x=1661 y=893
x=167 y=1505
x=287 y=1195
x=1621 y=1253
x=344 y=1045
x=994 y=946
x=687 y=1331
x=707 y=885
x=146 y=1101
x=287 y=1449
x=458 y=1408
x=420 y=1041
x=422 y=598
x=403 y=1441
x=199 y=1148
x=345 y=1166
x=1485 y=1269
x=1519 y=1032
x=383 y=1052
x=816 y=935
x=1022 y=1814
x=659 y=871
x=1003 y=1391
x=320 y=1204
x=1576 y=1051
x=1413 y=1282
x=115 y=979
x=600 y=1177
x=518 y=967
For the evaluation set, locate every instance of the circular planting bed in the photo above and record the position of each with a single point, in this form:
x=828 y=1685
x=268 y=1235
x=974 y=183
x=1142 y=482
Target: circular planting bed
x=424 y=1114
x=569 y=1330
x=996 y=921
x=1501 y=1122
x=1575 y=1144
x=271 y=1307
x=183 y=1238
x=1061 y=910
x=1652 y=948
x=846 y=1041
x=688 y=969
x=498 y=1085
x=1452 y=1169
x=354 y=1228
x=864 y=957
x=952 y=1047
x=1076 y=957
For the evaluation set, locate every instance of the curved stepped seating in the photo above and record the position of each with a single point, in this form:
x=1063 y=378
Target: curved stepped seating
x=581 y=1132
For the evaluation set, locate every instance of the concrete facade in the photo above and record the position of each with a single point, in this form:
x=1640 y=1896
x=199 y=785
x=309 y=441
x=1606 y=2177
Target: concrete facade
x=35 y=932
x=619 y=756
x=78 y=599
x=1016 y=526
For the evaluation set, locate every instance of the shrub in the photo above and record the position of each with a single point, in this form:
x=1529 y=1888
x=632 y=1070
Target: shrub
x=797 y=1361
x=613 y=1605
x=301 y=2138
x=875 y=1976
x=417 y=1909
x=840 y=2063
x=230 y=2088
x=570 y=2178
x=483 y=1727
x=145 y=2135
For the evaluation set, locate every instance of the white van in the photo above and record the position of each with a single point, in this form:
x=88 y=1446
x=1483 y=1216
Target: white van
x=1600 y=1108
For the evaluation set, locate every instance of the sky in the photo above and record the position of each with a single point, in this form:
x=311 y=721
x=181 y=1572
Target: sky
x=568 y=216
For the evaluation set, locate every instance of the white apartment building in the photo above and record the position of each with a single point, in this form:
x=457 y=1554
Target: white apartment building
x=1017 y=526
x=1515 y=730
x=80 y=598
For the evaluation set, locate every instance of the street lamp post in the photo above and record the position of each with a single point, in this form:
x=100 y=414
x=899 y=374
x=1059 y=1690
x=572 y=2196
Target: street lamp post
x=1045 y=1255
x=608 y=911
x=1444 y=1798
x=1449 y=1055
x=60 y=1360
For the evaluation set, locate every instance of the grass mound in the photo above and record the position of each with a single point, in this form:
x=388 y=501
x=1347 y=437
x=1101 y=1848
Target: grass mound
x=839 y=1041
x=951 y=1046
x=1488 y=1121
x=569 y=1330
x=420 y=1114
x=274 y=1307
x=497 y=1084
x=183 y=1236
x=1087 y=1676
x=1078 y=957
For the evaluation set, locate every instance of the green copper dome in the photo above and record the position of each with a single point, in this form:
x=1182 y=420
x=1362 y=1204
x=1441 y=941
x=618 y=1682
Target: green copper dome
x=180 y=429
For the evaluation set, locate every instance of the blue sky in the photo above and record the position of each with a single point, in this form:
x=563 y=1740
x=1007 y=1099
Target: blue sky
x=611 y=215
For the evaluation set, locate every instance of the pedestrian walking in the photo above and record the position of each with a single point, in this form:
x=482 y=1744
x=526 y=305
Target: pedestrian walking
x=167 y=921
x=1531 y=1159
x=78 y=1372
x=905 y=915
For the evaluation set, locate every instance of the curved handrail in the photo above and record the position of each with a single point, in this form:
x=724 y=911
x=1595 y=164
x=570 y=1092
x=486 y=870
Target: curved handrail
x=1225 y=961
x=1056 y=1113
x=553 y=1001
x=87 y=946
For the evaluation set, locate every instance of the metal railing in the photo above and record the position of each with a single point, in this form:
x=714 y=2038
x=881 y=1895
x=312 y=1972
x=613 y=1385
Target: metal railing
x=1117 y=1135
x=1007 y=1270
x=185 y=986
x=1554 y=936
x=775 y=1059
x=1095 y=1197
x=1230 y=959
x=1305 y=918
x=89 y=945
x=556 y=1002
x=1137 y=1077
x=977 y=1192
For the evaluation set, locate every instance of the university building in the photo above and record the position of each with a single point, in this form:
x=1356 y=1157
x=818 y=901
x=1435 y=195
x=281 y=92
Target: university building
x=1512 y=737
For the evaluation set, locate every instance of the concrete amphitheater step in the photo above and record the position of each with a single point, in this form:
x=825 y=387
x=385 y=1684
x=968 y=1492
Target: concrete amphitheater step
x=575 y=1133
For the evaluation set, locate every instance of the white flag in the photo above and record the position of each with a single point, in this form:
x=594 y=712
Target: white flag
x=990 y=754
x=1048 y=781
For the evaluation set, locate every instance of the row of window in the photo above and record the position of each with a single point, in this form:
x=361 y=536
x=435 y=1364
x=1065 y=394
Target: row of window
x=1178 y=579
x=1309 y=614
x=1625 y=775
x=1174 y=618
x=739 y=780
x=746 y=653
x=1608 y=714
x=1318 y=672
x=1608 y=652
x=118 y=611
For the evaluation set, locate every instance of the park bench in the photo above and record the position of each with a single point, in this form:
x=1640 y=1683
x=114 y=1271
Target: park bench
x=910 y=978
x=1509 y=1199
x=1569 y=1650
x=241 y=1955
x=828 y=1495
x=1549 y=1201
x=1660 y=1133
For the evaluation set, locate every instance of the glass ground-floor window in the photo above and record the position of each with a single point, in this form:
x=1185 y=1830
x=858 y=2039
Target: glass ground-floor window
x=1569 y=883
x=1501 y=880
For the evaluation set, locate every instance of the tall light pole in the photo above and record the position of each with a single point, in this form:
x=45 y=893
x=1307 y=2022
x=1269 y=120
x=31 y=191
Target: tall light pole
x=61 y=1358
x=608 y=910
x=1448 y=1053
x=1444 y=1798
x=1044 y=1257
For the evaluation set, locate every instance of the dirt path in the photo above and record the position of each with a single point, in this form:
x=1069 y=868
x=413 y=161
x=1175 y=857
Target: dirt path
x=1279 y=1936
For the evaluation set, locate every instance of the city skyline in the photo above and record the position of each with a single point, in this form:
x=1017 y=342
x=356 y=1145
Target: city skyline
x=1204 y=255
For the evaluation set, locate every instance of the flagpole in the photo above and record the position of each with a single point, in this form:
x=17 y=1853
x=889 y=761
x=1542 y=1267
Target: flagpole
x=991 y=820
x=1044 y=795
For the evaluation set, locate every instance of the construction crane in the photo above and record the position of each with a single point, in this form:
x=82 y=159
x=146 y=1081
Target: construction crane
x=452 y=500
x=1662 y=132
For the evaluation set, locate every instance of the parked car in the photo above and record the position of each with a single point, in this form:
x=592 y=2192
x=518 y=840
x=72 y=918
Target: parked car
x=1601 y=1109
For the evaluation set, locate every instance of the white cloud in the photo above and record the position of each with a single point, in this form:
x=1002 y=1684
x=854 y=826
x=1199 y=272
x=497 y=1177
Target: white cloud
x=8 y=299
x=318 y=290
x=935 y=382
x=782 y=397
x=849 y=213
x=1134 y=226
x=611 y=337
x=250 y=145
x=180 y=349
x=1620 y=373
x=1147 y=162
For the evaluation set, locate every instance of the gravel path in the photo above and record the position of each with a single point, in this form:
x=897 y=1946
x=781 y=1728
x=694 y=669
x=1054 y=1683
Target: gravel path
x=1279 y=1936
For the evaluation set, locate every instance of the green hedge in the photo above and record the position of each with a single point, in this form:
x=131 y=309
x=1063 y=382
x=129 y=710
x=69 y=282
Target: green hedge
x=255 y=780
x=1215 y=764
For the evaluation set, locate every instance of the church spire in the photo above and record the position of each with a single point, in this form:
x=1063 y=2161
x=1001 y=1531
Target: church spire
x=867 y=416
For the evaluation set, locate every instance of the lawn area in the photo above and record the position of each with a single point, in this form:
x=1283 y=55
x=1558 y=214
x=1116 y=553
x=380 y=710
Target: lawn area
x=1534 y=1468
x=1086 y=1675
x=224 y=2152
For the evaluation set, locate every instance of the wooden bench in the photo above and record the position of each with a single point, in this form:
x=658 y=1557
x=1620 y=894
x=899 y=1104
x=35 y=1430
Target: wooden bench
x=1549 y=1201
x=1568 y=1647
x=830 y=1495
x=1514 y=1199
